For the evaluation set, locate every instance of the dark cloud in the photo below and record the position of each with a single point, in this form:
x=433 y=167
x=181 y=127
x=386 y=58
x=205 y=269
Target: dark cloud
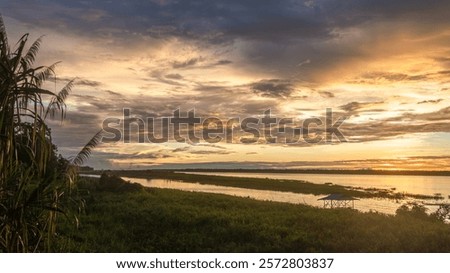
x=405 y=124
x=209 y=145
x=223 y=62
x=199 y=63
x=199 y=19
x=148 y=155
x=277 y=35
x=273 y=88
x=355 y=106
x=89 y=83
x=112 y=93
x=187 y=63
x=181 y=149
x=326 y=94
x=174 y=76
x=192 y=149
x=210 y=152
x=211 y=88
x=430 y=101
x=377 y=77
x=217 y=21
x=161 y=78
x=385 y=76
x=407 y=163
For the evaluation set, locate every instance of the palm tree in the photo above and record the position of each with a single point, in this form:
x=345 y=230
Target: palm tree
x=31 y=192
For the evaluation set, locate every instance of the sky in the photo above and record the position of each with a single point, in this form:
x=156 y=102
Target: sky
x=382 y=65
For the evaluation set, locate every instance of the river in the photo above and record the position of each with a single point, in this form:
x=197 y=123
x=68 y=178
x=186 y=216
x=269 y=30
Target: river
x=428 y=185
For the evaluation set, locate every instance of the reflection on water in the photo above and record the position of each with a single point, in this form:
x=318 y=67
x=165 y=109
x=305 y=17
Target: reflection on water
x=380 y=205
x=417 y=184
x=90 y=175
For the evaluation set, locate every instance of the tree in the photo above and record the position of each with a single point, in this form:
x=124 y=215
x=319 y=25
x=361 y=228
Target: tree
x=413 y=209
x=32 y=191
x=442 y=213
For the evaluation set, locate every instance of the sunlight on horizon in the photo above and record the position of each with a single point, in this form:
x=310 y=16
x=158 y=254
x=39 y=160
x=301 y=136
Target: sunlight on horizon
x=390 y=77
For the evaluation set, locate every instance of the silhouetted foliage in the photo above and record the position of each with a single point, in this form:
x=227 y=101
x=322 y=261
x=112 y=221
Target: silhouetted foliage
x=413 y=209
x=35 y=182
x=442 y=213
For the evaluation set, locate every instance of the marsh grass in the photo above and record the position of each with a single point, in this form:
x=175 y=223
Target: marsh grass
x=123 y=217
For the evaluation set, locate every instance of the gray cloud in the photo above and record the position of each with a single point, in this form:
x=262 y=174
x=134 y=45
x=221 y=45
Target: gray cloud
x=174 y=76
x=279 y=35
x=89 y=83
x=326 y=94
x=289 y=42
x=148 y=155
x=355 y=106
x=407 y=123
x=187 y=63
x=207 y=152
x=442 y=162
x=112 y=93
x=223 y=62
x=430 y=101
x=273 y=88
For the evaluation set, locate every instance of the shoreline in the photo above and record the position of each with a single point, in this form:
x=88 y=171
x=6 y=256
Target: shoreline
x=281 y=185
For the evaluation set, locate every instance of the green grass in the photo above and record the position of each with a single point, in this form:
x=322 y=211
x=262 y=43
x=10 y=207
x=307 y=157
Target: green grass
x=123 y=217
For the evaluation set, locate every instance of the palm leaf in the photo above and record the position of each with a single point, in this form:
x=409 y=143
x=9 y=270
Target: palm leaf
x=57 y=103
x=32 y=52
x=44 y=73
x=4 y=45
x=84 y=154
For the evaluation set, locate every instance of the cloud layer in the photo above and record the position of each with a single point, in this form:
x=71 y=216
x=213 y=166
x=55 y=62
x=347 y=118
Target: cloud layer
x=382 y=64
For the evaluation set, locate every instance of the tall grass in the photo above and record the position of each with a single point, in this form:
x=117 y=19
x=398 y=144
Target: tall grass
x=34 y=183
x=125 y=217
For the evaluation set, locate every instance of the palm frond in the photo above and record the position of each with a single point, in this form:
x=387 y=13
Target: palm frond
x=84 y=154
x=32 y=52
x=57 y=103
x=45 y=73
x=17 y=55
x=4 y=45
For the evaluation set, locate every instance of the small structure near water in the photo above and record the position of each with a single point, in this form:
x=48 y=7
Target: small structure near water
x=338 y=200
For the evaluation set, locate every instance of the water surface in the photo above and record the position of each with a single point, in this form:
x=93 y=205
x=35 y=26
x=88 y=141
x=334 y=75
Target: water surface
x=416 y=184
x=381 y=205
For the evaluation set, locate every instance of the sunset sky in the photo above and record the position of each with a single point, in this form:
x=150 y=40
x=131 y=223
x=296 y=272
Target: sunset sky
x=383 y=64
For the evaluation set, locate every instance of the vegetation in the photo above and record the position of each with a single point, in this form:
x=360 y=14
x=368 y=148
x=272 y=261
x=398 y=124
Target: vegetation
x=36 y=185
x=124 y=217
x=285 y=185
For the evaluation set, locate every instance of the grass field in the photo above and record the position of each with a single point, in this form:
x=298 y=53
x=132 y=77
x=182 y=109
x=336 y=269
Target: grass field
x=124 y=217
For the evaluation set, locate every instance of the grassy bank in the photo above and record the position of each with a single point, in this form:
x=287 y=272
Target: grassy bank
x=283 y=185
x=122 y=217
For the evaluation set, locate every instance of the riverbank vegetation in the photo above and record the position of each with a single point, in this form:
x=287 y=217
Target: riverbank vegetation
x=283 y=185
x=125 y=217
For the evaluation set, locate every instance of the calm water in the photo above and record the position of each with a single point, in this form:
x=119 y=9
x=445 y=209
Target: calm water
x=380 y=205
x=412 y=184
x=428 y=185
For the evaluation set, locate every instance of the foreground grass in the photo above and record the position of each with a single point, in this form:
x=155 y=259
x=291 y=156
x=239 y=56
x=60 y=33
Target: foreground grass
x=122 y=217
